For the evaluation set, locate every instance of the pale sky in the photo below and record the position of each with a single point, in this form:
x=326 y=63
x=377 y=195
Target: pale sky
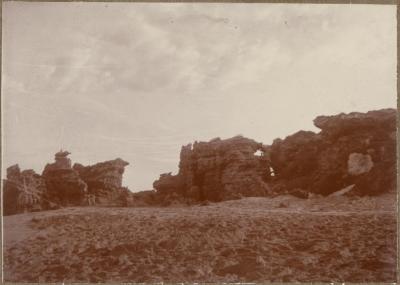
x=139 y=80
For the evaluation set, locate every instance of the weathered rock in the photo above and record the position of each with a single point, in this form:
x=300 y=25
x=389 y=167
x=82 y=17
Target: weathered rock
x=104 y=180
x=218 y=170
x=23 y=191
x=61 y=185
x=346 y=124
x=169 y=183
x=124 y=199
x=351 y=149
x=295 y=156
x=144 y=198
x=358 y=148
x=359 y=163
x=64 y=186
x=355 y=148
x=13 y=172
x=293 y=160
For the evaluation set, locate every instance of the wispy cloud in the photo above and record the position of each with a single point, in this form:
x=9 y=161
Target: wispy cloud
x=138 y=80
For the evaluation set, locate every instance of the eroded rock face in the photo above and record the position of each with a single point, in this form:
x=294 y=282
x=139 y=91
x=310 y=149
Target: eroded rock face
x=169 y=183
x=351 y=149
x=104 y=181
x=13 y=172
x=294 y=159
x=218 y=170
x=345 y=124
x=64 y=186
x=23 y=191
x=144 y=198
x=355 y=148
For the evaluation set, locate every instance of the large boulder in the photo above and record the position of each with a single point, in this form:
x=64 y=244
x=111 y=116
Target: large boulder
x=104 y=181
x=218 y=170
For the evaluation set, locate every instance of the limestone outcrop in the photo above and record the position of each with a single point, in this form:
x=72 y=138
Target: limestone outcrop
x=355 y=148
x=351 y=149
x=23 y=191
x=218 y=170
x=63 y=184
x=104 y=181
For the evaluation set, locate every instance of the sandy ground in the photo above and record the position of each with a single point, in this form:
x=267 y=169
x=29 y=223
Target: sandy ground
x=282 y=239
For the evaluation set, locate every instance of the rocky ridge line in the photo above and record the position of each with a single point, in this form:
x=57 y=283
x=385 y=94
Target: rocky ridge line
x=353 y=154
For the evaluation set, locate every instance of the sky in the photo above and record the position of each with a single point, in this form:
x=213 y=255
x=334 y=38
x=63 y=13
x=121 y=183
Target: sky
x=139 y=80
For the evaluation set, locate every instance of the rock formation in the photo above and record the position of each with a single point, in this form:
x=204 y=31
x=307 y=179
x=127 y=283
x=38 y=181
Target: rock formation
x=104 y=181
x=23 y=191
x=218 y=170
x=63 y=184
x=351 y=149
x=355 y=148
x=144 y=198
x=353 y=153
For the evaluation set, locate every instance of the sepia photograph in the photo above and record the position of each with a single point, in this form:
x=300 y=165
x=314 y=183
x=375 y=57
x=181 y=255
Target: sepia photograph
x=198 y=142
